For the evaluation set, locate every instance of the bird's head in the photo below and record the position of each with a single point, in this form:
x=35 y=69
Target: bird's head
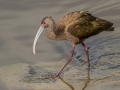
x=46 y=23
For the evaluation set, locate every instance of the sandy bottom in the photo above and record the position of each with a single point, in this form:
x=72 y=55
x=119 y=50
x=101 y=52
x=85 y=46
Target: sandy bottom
x=12 y=78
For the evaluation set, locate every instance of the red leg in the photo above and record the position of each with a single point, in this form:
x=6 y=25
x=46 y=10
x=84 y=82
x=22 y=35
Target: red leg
x=87 y=53
x=69 y=59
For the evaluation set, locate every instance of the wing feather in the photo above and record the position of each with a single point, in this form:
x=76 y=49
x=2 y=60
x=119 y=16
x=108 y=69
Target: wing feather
x=86 y=26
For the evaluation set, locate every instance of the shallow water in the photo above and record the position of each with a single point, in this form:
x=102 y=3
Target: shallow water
x=19 y=22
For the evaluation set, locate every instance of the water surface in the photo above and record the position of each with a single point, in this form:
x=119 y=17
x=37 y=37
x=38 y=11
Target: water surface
x=19 y=22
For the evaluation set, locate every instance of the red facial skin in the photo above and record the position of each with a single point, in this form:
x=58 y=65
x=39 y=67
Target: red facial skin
x=43 y=24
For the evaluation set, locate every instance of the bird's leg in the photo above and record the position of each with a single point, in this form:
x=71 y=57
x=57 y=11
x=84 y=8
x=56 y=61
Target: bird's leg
x=87 y=54
x=69 y=59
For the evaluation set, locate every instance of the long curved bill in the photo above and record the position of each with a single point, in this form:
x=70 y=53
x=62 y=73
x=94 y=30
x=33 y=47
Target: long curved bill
x=36 y=37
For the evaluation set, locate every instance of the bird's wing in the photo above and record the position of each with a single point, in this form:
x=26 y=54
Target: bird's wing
x=87 y=25
x=71 y=17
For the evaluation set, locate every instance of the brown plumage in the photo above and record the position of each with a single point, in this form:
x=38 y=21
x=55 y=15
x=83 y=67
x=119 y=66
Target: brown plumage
x=75 y=27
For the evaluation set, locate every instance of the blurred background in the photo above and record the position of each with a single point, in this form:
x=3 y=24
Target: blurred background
x=21 y=19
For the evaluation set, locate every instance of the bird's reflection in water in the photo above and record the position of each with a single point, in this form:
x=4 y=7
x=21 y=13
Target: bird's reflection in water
x=87 y=81
x=72 y=88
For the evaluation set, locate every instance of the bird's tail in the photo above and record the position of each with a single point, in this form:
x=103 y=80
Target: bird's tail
x=110 y=29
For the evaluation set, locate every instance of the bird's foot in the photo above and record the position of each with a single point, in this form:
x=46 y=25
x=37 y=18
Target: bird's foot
x=55 y=76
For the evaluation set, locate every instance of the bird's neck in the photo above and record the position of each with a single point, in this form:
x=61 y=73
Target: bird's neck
x=52 y=32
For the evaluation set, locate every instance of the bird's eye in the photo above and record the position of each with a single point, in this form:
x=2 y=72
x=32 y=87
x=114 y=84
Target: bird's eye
x=44 y=23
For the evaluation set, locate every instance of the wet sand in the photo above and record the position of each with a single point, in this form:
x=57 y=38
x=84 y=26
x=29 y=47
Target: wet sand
x=20 y=21
x=73 y=79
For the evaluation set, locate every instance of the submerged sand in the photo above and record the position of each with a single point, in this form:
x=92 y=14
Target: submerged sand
x=12 y=79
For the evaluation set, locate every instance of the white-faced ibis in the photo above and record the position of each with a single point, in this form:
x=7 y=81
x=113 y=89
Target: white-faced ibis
x=74 y=27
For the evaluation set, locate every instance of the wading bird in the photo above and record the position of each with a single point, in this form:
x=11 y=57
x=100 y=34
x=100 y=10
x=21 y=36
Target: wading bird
x=74 y=27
